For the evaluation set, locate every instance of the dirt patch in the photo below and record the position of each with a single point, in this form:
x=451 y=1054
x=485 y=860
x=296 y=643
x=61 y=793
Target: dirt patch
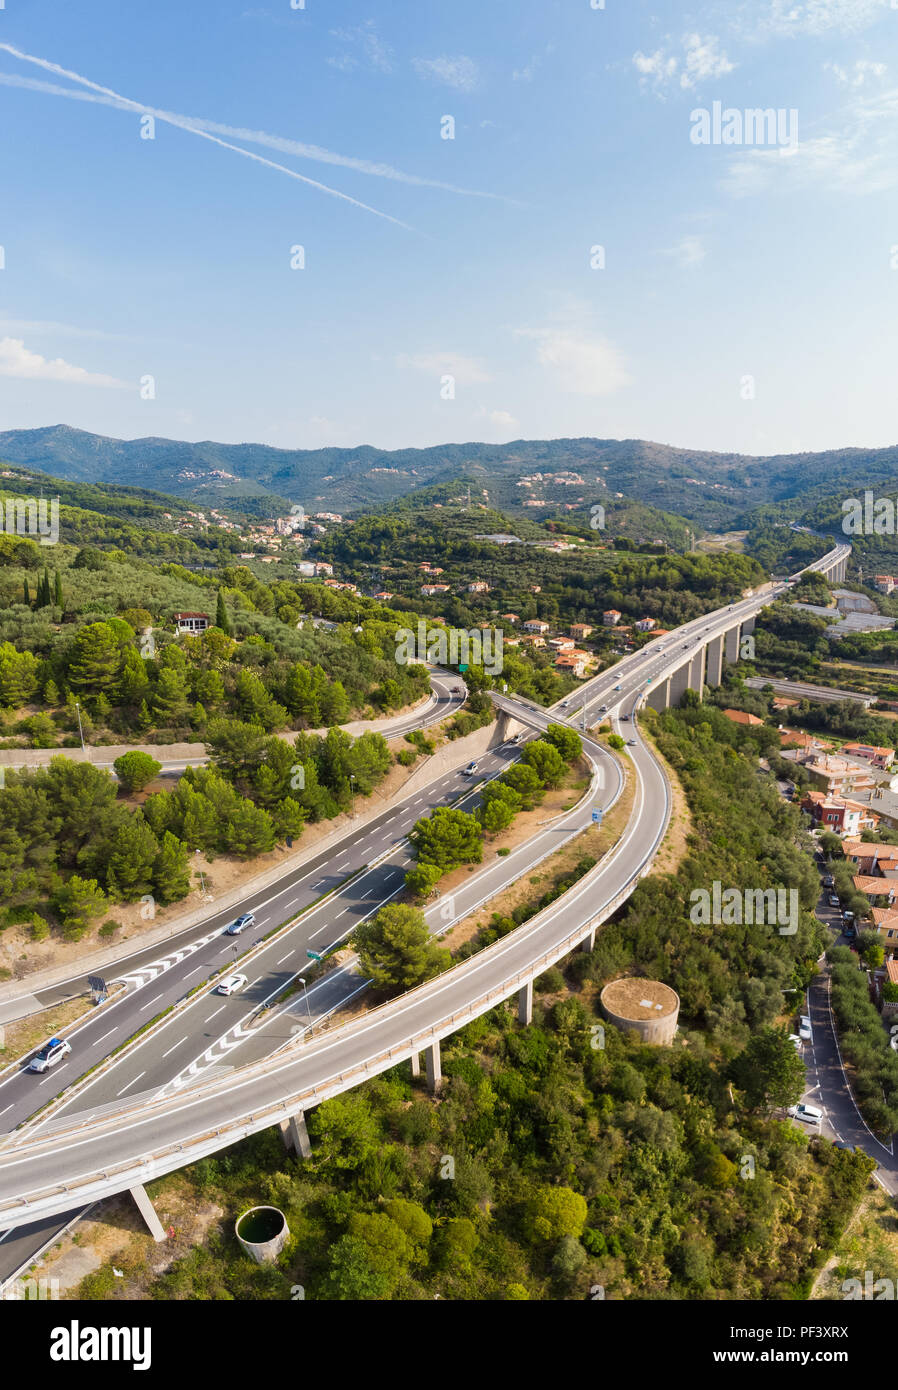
x=27 y=1034
x=674 y=847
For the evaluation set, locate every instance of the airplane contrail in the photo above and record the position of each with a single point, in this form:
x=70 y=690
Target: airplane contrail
x=254 y=137
x=185 y=124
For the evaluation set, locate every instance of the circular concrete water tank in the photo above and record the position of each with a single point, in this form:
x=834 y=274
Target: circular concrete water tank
x=263 y=1232
x=646 y=1007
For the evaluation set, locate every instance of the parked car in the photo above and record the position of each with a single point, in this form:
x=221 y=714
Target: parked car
x=804 y=1029
x=232 y=985
x=833 y=900
x=828 y=880
x=241 y=924
x=809 y=1113
x=795 y=1040
x=50 y=1055
x=470 y=769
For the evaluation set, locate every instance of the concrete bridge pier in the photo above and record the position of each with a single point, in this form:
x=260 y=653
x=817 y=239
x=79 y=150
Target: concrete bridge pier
x=525 y=1003
x=748 y=625
x=296 y=1135
x=416 y=1064
x=731 y=638
x=697 y=672
x=714 y=674
x=588 y=942
x=659 y=696
x=147 y=1211
x=432 y=1066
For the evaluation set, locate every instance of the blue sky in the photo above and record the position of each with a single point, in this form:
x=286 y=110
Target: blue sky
x=748 y=297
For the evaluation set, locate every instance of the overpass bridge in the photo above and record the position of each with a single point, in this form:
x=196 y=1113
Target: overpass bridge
x=70 y=1164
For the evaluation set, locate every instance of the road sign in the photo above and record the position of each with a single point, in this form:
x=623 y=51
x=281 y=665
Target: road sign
x=463 y=668
x=313 y=955
x=597 y=814
x=97 y=984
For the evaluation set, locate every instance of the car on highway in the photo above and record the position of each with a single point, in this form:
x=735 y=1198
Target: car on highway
x=232 y=985
x=804 y=1028
x=50 y=1054
x=516 y=738
x=631 y=742
x=625 y=719
x=809 y=1113
x=833 y=900
x=565 y=703
x=617 y=687
x=246 y=920
x=470 y=769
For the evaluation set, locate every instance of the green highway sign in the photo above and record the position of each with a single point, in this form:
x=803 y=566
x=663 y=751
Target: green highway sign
x=313 y=955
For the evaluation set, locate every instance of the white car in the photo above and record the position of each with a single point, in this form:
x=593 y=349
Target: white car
x=809 y=1113
x=52 y=1053
x=804 y=1028
x=795 y=1040
x=470 y=769
x=232 y=985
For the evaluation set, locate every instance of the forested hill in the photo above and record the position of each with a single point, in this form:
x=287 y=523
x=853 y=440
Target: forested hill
x=716 y=490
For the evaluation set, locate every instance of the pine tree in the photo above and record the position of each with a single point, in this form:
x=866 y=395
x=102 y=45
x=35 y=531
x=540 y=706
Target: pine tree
x=222 y=620
x=51 y=693
x=171 y=875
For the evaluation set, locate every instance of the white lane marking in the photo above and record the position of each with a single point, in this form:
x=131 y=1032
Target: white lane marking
x=154 y=1000
x=106 y=1035
x=177 y=1044
x=286 y=957
x=131 y=1083
x=9 y=1107
x=215 y=1015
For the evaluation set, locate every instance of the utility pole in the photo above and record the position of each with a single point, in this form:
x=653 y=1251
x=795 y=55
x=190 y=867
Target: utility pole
x=80 y=729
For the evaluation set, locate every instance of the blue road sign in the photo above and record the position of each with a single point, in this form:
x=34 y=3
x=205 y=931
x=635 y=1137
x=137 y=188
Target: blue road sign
x=597 y=815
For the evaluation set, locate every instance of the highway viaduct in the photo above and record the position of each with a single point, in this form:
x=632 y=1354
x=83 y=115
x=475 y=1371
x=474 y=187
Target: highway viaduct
x=72 y=1163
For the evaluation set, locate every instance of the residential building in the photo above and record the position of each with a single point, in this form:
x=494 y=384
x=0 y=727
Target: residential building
x=428 y=590
x=511 y=618
x=580 y=631
x=878 y=757
x=323 y=567
x=562 y=644
x=838 y=814
x=535 y=625
x=573 y=663
x=741 y=716
x=644 y=624
x=885 y=583
x=611 y=617
x=192 y=622
x=478 y=587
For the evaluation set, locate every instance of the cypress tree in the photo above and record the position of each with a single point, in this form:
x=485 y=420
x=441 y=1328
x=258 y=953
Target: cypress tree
x=58 y=597
x=222 y=620
x=26 y=595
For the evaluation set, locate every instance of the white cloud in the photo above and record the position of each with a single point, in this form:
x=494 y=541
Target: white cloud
x=18 y=361
x=857 y=153
x=468 y=371
x=658 y=67
x=690 y=250
x=501 y=420
x=57 y=330
x=364 y=37
x=862 y=73
x=581 y=363
x=460 y=73
x=704 y=59
x=794 y=17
